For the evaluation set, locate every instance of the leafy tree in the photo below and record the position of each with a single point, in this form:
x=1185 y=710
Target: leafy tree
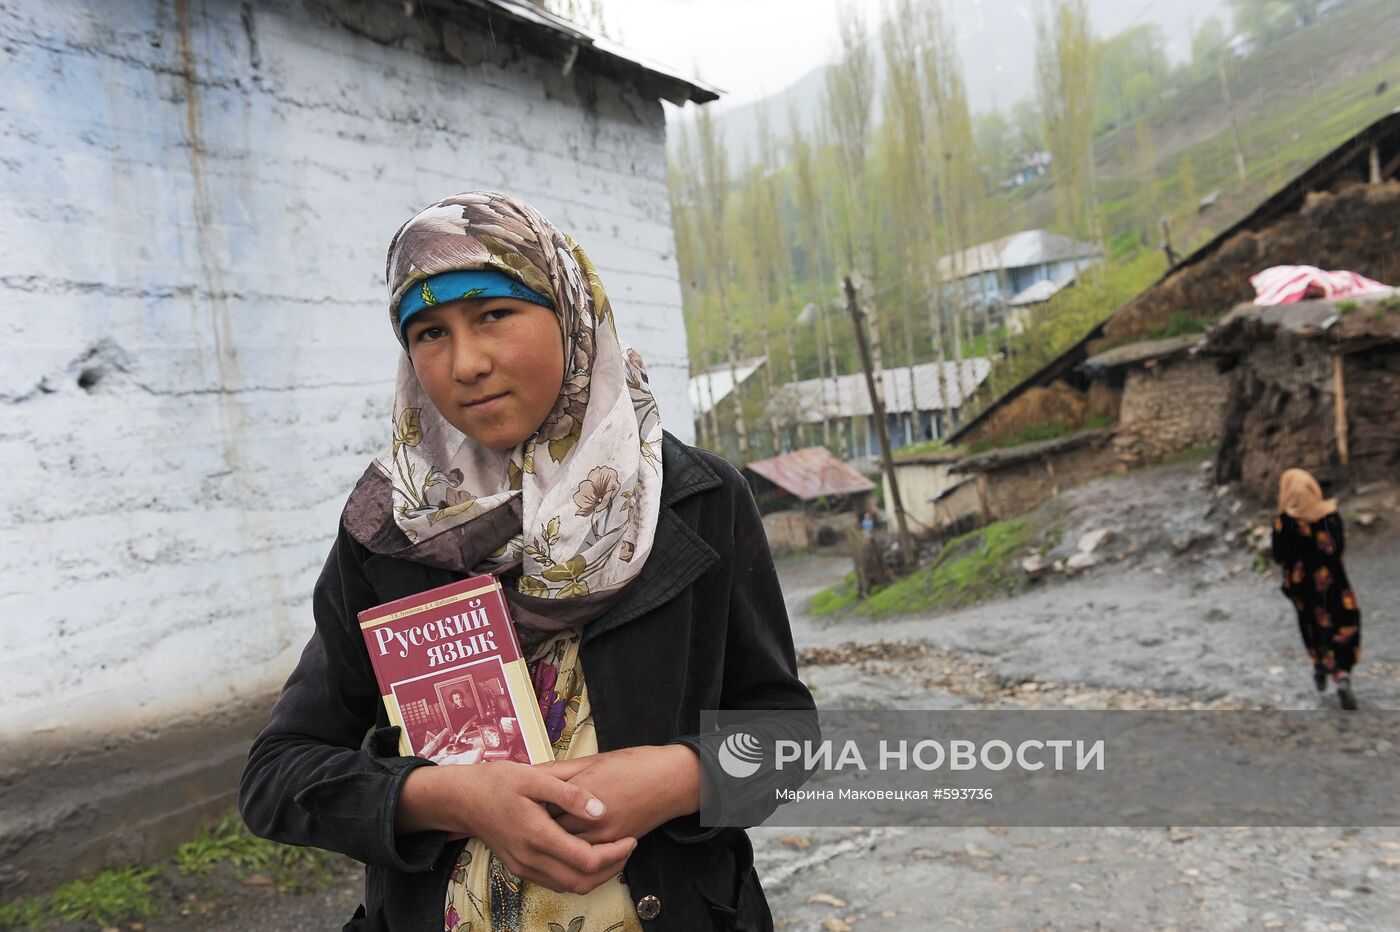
x=1133 y=72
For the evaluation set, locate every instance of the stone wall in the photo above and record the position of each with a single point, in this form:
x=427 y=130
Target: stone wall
x=1168 y=406
x=195 y=200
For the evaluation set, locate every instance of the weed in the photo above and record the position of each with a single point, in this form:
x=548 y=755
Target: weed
x=230 y=842
x=835 y=598
x=1346 y=307
x=111 y=897
x=26 y=913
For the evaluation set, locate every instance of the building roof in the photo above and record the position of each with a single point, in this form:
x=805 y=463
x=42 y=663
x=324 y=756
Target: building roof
x=1038 y=293
x=1019 y=250
x=811 y=473
x=1350 y=159
x=815 y=400
x=993 y=460
x=667 y=82
x=1347 y=325
x=1145 y=351
x=712 y=386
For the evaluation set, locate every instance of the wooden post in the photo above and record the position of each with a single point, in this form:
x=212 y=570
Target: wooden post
x=1375 y=163
x=877 y=406
x=982 y=498
x=1339 y=413
x=1054 y=483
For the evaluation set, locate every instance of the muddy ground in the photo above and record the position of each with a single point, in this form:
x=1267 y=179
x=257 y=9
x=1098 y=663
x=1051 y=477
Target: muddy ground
x=1171 y=616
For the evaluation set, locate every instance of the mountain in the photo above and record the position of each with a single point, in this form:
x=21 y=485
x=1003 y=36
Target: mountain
x=996 y=40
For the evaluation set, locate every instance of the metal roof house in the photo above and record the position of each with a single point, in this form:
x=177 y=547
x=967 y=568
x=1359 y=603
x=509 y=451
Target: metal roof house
x=1018 y=270
x=915 y=412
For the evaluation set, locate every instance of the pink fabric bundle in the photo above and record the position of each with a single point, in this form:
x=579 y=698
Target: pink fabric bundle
x=1286 y=284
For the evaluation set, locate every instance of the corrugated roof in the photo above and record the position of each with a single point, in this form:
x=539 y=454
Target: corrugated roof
x=811 y=473
x=815 y=400
x=535 y=15
x=1019 y=250
x=712 y=386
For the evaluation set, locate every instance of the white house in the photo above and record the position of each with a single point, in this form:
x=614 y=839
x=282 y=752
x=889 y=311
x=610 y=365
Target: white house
x=1015 y=271
x=195 y=201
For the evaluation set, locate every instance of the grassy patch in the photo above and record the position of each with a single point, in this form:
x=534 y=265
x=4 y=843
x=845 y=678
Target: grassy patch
x=968 y=569
x=939 y=445
x=226 y=852
x=1038 y=432
x=1181 y=324
x=834 y=598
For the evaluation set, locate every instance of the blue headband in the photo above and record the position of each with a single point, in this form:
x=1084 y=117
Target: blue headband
x=454 y=286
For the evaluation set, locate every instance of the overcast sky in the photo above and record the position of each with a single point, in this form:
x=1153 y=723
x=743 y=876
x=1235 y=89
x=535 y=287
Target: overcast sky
x=753 y=48
x=748 y=48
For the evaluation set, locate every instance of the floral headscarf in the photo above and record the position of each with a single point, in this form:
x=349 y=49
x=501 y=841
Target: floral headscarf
x=575 y=506
x=1299 y=496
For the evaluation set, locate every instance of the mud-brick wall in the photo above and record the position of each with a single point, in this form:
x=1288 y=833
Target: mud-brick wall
x=196 y=361
x=1174 y=405
x=1015 y=489
x=1372 y=388
x=1281 y=414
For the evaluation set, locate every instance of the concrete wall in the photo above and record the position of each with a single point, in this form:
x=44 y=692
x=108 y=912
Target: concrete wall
x=1169 y=407
x=195 y=200
x=919 y=484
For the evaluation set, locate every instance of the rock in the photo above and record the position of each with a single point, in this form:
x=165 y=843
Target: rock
x=800 y=842
x=1366 y=518
x=975 y=852
x=1033 y=566
x=1059 y=566
x=1079 y=561
x=833 y=924
x=827 y=899
x=1090 y=542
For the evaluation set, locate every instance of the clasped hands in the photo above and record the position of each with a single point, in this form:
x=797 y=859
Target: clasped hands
x=568 y=825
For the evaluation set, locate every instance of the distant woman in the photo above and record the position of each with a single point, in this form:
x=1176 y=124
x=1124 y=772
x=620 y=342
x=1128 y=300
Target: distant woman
x=1308 y=541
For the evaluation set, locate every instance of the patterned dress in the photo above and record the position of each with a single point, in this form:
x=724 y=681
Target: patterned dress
x=1315 y=581
x=482 y=894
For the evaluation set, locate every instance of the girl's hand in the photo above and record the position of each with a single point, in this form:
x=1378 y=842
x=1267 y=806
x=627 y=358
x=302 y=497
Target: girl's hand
x=504 y=804
x=642 y=787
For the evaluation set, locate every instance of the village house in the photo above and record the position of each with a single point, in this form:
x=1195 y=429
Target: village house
x=835 y=410
x=1313 y=385
x=199 y=198
x=807 y=497
x=1130 y=393
x=1004 y=277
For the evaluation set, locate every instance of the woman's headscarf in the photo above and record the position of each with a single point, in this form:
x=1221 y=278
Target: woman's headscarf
x=1299 y=496
x=576 y=505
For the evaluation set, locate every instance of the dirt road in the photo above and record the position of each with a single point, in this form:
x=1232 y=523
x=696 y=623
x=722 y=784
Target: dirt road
x=1171 y=617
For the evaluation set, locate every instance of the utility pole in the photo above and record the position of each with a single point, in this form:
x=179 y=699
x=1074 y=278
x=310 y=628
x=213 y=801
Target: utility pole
x=906 y=543
x=1234 y=125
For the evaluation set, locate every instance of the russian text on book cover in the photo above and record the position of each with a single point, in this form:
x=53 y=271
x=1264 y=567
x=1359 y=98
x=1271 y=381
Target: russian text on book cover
x=452 y=678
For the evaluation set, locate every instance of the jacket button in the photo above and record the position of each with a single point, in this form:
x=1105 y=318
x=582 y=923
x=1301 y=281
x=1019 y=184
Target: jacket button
x=648 y=907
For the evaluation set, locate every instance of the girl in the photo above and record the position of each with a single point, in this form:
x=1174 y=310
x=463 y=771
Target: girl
x=1308 y=542
x=526 y=443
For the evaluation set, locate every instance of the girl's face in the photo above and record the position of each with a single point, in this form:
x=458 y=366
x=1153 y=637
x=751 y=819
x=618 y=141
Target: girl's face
x=493 y=367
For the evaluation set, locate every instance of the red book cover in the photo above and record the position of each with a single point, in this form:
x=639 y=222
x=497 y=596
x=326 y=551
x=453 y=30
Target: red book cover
x=450 y=671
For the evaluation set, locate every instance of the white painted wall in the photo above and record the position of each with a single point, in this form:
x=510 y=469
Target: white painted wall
x=209 y=242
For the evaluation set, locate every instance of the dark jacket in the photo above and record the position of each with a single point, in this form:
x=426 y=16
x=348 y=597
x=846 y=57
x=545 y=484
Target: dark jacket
x=702 y=627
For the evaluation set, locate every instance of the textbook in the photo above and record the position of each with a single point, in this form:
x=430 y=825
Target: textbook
x=452 y=678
